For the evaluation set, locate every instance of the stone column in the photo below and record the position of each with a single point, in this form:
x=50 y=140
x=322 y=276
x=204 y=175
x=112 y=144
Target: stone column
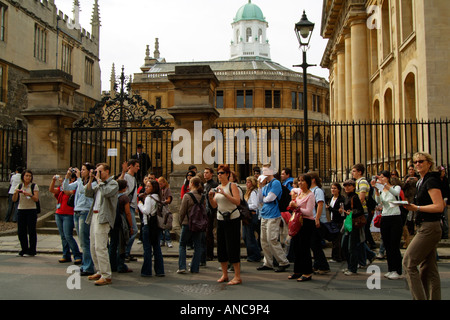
x=194 y=113
x=360 y=83
x=348 y=133
x=360 y=70
x=49 y=114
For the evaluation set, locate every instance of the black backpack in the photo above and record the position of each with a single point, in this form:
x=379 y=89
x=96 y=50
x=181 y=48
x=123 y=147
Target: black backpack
x=243 y=207
x=198 y=219
x=285 y=199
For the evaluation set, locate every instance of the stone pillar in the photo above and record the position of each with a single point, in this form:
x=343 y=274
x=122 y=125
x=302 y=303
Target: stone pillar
x=348 y=143
x=360 y=84
x=194 y=113
x=341 y=103
x=360 y=71
x=49 y=114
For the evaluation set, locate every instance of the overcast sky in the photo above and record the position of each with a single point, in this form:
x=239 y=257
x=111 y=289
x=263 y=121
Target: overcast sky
x=193 y=30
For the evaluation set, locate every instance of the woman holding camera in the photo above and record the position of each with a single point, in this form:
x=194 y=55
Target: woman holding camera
x=226 y=198
x=64 y=218
x=391 y=223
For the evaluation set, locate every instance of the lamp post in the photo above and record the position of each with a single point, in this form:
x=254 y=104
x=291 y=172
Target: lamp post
x=303 y=30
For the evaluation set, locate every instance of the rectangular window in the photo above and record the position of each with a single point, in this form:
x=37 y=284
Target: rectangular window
x=277 y=99
x=249 y=99
x=158 y=102
x=268 y=99
x=89 y=71
x=240 y=99
x=294 y=100
x=66 y=58
x=2 y=22
x=219 y=99
x=2 y=83
x=273 y=99
x=300 y=100
x=244 y=99
x=40 y=43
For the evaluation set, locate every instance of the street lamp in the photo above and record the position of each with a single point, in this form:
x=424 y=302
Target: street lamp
x=303 y=30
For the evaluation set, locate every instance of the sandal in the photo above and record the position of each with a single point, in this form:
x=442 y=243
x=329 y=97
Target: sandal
x=304 y=278
x=295 y=276
x=234 y=282
x=222 y=279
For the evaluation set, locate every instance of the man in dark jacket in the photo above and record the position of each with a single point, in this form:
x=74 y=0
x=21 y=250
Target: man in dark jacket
x=144 y=163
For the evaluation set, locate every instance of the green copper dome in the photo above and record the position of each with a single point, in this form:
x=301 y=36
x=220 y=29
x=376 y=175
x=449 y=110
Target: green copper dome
x=249 y=11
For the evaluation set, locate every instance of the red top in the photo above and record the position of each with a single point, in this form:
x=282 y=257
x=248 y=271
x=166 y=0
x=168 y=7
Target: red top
x=62 y=207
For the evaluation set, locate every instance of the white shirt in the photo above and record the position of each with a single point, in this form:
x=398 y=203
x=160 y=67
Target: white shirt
x=148 y=208
x=385 y=197
x=14 y=181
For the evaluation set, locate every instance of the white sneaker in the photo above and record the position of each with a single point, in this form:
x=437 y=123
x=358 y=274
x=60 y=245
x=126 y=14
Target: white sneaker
x=394 y=276
x=170 y=245
x=181 y=271
x=387 y=274
x=349 y=273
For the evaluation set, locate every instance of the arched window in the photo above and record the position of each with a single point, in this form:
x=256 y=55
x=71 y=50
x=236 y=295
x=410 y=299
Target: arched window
x=260 y=36
x=249 y=35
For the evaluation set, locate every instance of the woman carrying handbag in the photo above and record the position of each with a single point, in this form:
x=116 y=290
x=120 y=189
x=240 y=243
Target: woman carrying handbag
x=303 y=205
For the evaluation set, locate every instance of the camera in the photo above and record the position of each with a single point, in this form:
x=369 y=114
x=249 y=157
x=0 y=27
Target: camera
x=214 y=189
x=226 y=215
x=73 y=170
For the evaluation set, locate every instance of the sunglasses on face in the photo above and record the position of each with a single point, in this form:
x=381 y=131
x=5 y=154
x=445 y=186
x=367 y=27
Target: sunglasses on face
x=221 y=172
x=419 y=161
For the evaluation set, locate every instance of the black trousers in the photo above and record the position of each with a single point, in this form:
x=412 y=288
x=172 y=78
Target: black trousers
x=26 y=230
x=391 y=233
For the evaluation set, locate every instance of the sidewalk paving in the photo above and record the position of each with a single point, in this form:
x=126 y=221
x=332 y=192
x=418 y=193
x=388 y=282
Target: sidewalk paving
x=51 y=244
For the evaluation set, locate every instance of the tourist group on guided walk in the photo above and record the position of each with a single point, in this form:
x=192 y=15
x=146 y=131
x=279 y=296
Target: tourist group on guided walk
x=282 y=220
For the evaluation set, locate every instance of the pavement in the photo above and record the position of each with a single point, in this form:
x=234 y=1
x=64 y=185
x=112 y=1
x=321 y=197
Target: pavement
x=43 y=278
x=51 y=244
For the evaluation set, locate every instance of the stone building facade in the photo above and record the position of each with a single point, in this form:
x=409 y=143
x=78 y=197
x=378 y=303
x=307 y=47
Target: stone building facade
x=36 y=36
x=388 y=62
x=252 y=88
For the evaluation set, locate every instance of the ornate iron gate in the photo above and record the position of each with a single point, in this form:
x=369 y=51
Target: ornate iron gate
x=114 y=128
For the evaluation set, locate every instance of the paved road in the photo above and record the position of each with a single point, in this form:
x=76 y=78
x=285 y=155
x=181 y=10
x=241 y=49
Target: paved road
x=42 y=277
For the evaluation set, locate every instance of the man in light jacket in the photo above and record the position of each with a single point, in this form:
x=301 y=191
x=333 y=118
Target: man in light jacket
x=101 y=219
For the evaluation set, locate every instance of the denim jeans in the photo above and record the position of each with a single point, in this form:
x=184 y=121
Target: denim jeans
x=248 y=234
x=196 y=237
x=116 y=258
x=165 y=236
x=135 y=232
x=65 y=226
x=82 y=228
x=12 y=209
x=150 y=240
x=350 y=241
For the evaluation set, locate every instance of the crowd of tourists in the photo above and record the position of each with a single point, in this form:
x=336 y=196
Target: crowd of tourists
x=284 y=220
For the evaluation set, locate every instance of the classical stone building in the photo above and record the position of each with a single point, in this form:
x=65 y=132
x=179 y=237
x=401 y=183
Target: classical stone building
x=251 y=89
x=36 y=36
x=388 y=62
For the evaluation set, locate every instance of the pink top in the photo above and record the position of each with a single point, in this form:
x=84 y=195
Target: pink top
x=306 y=205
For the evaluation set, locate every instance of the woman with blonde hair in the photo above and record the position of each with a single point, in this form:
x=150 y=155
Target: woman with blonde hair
x=420 y=261
x=250 y=226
